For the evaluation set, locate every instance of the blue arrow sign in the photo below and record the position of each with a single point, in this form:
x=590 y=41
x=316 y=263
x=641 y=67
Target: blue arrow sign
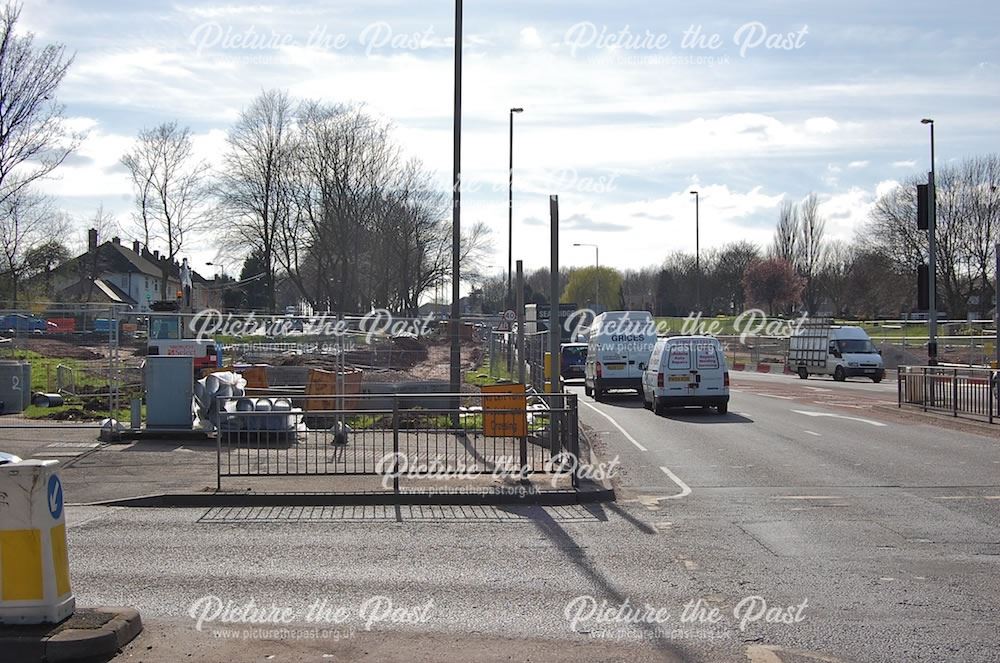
x=55 y=496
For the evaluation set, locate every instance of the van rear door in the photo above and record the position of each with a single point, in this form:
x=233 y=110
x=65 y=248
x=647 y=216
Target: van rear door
x=676 y=368
x=708 y=369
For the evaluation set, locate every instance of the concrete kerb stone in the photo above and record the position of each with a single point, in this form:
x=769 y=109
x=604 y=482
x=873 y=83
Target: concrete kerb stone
x=91 y=634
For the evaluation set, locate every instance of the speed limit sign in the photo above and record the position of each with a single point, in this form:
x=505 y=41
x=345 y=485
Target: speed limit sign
x=509 y=315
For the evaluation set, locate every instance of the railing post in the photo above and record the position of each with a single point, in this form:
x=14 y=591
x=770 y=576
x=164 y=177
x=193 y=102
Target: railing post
x=574 y=438
x=925 y=388
x=218 y=445
x=991 y=395
x=395 y=444
x=954 y=392
x=899 y=386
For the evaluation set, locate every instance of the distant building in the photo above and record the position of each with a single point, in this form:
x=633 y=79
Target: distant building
x=111 y=273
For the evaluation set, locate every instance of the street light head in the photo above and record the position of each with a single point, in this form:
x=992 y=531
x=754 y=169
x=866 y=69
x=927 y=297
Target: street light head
x=926 y=121
x=516 y=110
x=694 y=193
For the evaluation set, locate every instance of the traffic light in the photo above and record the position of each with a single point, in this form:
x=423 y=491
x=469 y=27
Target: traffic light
x=923 y=206
x=923 y=288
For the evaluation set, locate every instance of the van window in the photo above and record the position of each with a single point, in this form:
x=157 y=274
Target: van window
x=707 y=356
x=680 y=356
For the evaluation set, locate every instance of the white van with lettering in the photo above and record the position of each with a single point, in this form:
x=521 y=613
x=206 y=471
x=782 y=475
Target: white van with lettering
x=617 y=351
x=686 y=370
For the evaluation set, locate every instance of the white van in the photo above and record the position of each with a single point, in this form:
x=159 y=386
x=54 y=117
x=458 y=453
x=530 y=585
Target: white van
x=823 y=349
x=617 y=351
x=686 y=370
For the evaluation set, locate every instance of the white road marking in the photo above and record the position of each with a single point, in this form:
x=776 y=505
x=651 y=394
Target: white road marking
x=685 y=489
x=784 y=398
x=970 y=497
x=812 y=433
x=810 y=413
x=806 y=497
x=769 y=654
x=818 y=389
x=618 y=426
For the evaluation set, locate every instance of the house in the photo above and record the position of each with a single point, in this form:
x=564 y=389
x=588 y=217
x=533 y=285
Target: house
x=112 y=273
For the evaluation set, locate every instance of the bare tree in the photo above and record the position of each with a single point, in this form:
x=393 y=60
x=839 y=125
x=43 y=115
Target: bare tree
x=27 y=220
x=786 y=235
x=810 y=250
x=968 y=223
x=172 y=189
x=254 y=187
x=33 y=136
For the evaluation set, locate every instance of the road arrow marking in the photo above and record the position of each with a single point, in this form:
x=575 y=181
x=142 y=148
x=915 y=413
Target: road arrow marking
x=809 y=413
x=685 y=489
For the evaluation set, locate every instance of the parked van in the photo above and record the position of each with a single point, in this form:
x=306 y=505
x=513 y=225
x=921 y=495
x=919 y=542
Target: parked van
x=686 y=370
x=820 y=348
x=617 y=351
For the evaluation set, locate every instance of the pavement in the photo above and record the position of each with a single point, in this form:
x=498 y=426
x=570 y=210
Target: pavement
x=807 y=524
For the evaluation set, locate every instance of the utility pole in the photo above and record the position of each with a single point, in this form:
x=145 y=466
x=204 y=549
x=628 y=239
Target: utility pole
x=697 y=254
x=519 y=289
x=510 y=205
x=932 y=349
x=554 y=330
x=456 y=229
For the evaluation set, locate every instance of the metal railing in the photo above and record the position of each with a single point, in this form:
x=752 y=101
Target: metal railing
x=953 y=390
x=359 y=436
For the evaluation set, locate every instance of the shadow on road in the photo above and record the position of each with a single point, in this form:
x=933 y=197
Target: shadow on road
x=705 y=416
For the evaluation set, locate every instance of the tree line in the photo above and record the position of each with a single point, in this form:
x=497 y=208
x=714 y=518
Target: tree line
x=874 y=275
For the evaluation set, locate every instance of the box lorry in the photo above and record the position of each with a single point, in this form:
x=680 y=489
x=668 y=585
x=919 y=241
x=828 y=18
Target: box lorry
x=822 y=348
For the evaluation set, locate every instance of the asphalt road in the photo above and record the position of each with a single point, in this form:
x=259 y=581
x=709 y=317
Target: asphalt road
x=877 y=535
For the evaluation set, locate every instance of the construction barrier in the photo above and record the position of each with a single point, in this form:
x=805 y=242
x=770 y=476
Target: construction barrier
x=34 y=564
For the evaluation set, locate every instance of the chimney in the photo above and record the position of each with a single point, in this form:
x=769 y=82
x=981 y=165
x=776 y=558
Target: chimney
x=92 y=239
x=156 y=255
x=135 y=245
x=117 y=240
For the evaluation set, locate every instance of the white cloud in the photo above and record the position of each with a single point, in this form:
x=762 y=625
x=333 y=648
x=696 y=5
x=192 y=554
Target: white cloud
x=821 y=125
x=904 y=164
x=858 y=164
x=530 y=38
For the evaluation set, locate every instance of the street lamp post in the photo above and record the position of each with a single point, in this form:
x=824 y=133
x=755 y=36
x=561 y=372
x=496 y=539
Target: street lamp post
x=455 y=372
x=697 y=254
x=931 y=259
x=510 y=205
x=597 y=263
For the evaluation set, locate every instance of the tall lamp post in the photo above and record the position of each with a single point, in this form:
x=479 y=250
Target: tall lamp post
x=510 y=205
x=455 y=358
x=697 y=254
x=597 y=263
x=932 y=259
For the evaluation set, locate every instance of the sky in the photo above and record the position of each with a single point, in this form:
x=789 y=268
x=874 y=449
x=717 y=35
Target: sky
x=628 y=105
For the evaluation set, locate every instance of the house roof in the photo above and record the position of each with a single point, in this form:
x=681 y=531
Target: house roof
x=115 y=258
x=103 y=291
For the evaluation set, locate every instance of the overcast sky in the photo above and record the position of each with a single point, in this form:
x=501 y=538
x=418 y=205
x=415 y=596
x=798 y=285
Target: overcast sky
x=628 y=104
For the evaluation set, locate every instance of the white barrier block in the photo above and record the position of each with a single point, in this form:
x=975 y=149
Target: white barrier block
x=34 y=562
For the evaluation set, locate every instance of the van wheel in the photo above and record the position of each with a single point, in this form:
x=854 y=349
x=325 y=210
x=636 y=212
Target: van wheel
x=587 y=390
x=657 y=406
x=803 y=373
x=877 y=379
x=598 y=394
x=648 y=405
x=838 y=374
x=723 y=408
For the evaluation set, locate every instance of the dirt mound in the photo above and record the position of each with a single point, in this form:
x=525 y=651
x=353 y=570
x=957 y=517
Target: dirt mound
x=50 y=347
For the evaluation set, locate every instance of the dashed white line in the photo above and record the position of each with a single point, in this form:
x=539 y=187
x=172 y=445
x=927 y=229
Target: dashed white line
x=811 y=432
x=618 y=426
